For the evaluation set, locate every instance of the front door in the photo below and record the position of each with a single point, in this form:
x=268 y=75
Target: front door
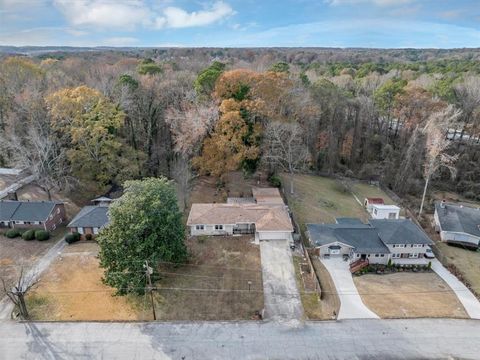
x=363 y=257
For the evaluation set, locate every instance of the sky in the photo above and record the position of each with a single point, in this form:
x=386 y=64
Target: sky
x=242 y=23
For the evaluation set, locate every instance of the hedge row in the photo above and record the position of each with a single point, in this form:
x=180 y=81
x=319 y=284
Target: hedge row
x=31 y=234
x=73 y=237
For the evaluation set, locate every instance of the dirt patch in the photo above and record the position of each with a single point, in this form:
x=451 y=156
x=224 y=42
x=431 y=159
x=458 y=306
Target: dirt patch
x=409 y=295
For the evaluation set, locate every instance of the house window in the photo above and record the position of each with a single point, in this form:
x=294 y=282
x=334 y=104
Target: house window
x=80 y=230
x=392 y=215
x=394 y=256
x=358 y=255
x=218 y=227
x=376 y=255
x=382 y=255
x=413 y=255
x=95 y=230
x=200 y=227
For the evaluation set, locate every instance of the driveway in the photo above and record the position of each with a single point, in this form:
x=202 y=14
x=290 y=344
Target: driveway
x=351 y=304
x=281 y=296
x=468 y=300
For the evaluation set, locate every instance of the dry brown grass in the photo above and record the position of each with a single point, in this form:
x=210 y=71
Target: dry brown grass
x=330 y=304
x=17 y=253
x=219 y=269
x=409 y=295
x=72 y=289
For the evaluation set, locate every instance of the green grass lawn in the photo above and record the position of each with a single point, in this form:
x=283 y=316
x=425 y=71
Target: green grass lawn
x=319 y=199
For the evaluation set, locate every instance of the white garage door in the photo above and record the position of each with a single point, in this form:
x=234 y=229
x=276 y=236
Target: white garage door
x=273 y=235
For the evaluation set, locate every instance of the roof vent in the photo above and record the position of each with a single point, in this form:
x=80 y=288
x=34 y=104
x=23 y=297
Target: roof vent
x=442 y=204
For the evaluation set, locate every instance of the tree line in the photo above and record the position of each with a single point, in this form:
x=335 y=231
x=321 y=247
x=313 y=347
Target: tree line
x=90 y=121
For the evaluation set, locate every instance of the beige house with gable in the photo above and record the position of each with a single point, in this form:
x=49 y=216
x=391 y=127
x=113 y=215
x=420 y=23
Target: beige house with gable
x=265 y=215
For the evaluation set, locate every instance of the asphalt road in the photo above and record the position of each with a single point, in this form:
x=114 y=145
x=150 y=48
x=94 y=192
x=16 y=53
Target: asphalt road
x=346 y=339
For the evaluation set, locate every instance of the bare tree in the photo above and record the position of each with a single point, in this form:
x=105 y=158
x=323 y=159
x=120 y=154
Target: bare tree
x=42 y=157
x=437 y=143
x=182 y=174
x=285 y=148
x=17 y=293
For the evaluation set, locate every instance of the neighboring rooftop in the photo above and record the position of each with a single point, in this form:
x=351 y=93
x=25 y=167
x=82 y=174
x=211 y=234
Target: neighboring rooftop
x=385 y=207
x=91 y=216
x=265 y=217
x=26 y=210
x=372 y=200
x=363 y=238
x=458 y=218
x=400 y=231
x=349 y=221
x=267 y=196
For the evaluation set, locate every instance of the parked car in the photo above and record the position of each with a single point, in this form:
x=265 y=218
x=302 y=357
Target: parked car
x=429 y=254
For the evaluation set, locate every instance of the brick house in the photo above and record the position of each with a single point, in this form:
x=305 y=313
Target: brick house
x=47 y=215
x=91 y=219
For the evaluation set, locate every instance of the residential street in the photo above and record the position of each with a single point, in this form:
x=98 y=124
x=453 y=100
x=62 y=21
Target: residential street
x=348 y=339
x=282 y=299
x=351 y=304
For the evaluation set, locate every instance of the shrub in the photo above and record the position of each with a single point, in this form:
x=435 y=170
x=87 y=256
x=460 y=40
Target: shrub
x=73 y=237
x=28 y=235
x=275 y=181
x=12 y=233
x=42 y=235
x=88 y=237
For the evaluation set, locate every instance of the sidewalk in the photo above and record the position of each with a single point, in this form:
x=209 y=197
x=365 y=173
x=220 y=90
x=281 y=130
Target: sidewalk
x=468 y=300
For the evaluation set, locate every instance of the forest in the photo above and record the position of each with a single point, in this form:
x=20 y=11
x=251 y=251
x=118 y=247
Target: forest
x=85 y=121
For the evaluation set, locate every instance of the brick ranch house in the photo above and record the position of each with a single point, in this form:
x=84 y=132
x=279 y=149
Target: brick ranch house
x=47 y=215
x=264 y=215
x=91 y=219
x=399 y=240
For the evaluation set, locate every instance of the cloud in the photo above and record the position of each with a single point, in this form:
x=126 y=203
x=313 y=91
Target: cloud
x=128 y=15
x=104 y=13
x=174 y=17
x=375 y=2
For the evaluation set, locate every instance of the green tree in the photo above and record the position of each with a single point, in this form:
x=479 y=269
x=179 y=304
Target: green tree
x=205 y=81
x=385 y=94
x=145 y=225
x=149 y=67
x=280 y=67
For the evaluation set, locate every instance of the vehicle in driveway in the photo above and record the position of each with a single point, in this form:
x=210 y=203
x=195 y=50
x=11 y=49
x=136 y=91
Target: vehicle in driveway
x=429 y=254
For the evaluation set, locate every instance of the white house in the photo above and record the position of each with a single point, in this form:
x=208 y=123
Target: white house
x=385 y=211
x=267 y=218
x=458 y=224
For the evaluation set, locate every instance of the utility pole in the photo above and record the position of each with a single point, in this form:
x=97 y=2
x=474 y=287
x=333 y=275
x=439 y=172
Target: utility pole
x=149 y=287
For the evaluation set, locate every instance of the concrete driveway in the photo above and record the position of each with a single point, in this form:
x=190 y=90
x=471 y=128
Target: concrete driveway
x=281 y=296
x=468 y=300
x=351 y=304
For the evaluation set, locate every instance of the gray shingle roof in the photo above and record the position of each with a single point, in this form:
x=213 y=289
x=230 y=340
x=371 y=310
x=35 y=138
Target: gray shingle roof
x=349 y=221
x=27 y=210
x=459 y=219
x=7 y=208
x=363 y=238
x=400 y=231
x=91 y=216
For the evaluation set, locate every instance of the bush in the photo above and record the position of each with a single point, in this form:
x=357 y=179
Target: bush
x=12 y=233
x=88 y=237
x=42 y=235
x=275 y=181
x=28 y=235
x=73 y=237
